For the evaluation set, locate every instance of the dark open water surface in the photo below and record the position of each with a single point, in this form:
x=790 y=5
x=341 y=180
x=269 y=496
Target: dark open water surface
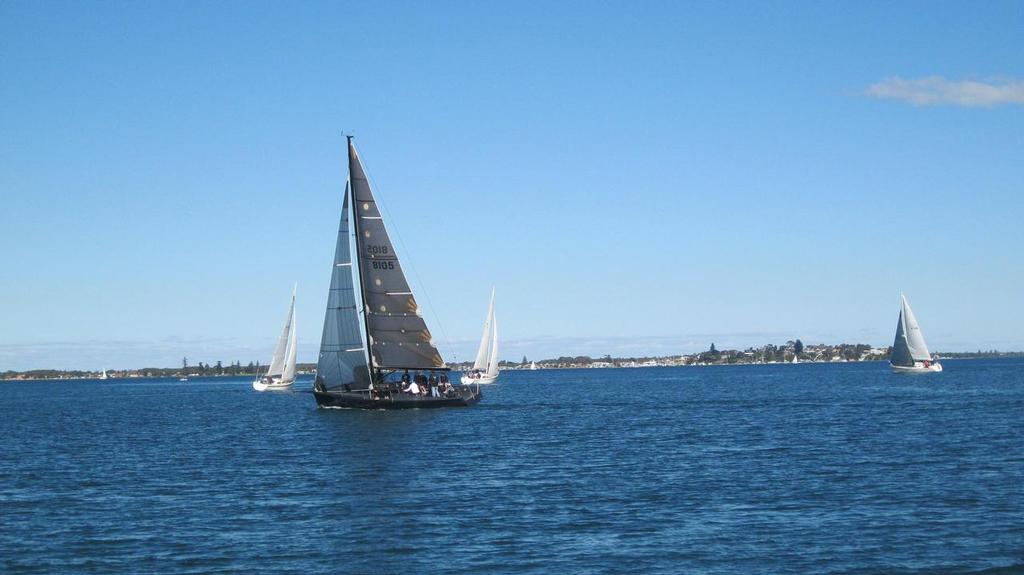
x=841 y=468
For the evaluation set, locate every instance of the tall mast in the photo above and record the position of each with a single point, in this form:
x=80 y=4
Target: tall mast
x=362 y=285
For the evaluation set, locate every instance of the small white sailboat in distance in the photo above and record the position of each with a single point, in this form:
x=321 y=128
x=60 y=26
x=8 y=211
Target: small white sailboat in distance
x=533 y=366
x=485 y=367
x=104 y=375
x=909 y=351
x=281 y=373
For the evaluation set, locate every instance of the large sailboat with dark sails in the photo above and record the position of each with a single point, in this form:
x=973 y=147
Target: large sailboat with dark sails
x=376 y=351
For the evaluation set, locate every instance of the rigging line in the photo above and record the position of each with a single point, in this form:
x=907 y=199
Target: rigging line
x=412 y=264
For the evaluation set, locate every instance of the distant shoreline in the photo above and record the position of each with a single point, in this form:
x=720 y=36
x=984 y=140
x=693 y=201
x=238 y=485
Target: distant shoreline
x=725 y=357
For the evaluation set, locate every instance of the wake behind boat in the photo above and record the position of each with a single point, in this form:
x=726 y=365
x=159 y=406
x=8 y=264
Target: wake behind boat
x=362 y=355
x=281 y=373
x=485 y=368
x=909 y=351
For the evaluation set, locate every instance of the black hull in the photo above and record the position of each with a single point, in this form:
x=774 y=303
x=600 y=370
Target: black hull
x=461 y=397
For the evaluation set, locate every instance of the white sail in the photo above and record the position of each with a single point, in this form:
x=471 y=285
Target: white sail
x=277 y=362
x=485 y=368
x=492 y=362
x=289 y=363
x=915 y=339
x=342 y=359
x=485 y=339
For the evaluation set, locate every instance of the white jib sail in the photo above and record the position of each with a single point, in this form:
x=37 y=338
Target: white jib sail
x=915 y=339
x=277 y=362
x=492 y=363
x=485 y=339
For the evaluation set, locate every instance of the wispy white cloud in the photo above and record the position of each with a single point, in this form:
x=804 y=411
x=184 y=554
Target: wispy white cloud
x=936 y=90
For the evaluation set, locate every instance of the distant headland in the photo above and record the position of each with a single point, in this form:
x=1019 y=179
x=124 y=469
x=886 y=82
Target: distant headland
x=766 y=354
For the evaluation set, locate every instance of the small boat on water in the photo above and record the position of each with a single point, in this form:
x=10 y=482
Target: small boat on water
x=104 y=375
x=909 y=351
x=485 y=368
x=533 y=366
x=281 y=373
x=367 y=346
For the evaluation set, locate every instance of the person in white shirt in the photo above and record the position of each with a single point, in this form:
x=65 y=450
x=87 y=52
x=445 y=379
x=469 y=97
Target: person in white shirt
x=414 y=388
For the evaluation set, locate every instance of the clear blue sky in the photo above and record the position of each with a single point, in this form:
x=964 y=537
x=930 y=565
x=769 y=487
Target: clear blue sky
x=633 y=177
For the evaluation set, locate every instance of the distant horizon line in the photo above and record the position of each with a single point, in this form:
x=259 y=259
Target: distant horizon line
x=603 y=357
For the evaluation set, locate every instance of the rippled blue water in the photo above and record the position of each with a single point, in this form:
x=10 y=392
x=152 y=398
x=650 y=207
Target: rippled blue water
x=759 y=469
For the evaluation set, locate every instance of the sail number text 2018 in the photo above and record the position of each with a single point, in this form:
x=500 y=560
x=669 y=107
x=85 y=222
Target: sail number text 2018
x=380 y=251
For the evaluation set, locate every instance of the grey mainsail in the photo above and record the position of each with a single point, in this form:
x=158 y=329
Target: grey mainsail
x=398 y=336
x=342 y=359
x=900 y=351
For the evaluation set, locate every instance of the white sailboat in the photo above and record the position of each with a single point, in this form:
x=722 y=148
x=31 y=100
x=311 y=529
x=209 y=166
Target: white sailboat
x=909 y=351
x=533 y=366
x=281 y=373
x=485 y=367
x=104 y=375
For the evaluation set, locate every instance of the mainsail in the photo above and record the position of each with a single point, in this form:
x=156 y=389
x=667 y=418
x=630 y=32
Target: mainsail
x=909 y=345
x=288 y=373
x=485 y=340
x=277 y=362
x=398 y=337
x=342 y=359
